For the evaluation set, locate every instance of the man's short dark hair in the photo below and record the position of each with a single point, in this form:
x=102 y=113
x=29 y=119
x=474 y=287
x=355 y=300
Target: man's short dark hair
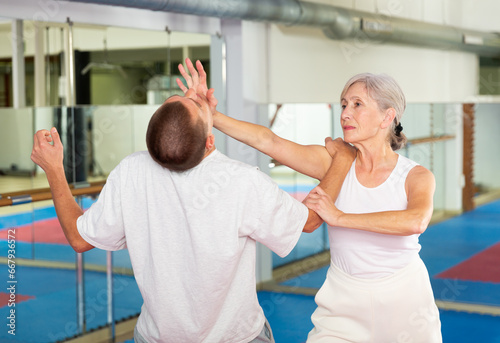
x=175 y=138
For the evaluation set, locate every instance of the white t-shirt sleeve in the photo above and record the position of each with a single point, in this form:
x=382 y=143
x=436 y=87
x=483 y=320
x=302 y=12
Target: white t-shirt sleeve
x=102 y=224
x=277 y=218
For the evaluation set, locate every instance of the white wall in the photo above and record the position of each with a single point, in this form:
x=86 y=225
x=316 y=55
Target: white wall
x=305 y=66
x=303 y=123
x=487 y=145
x=478 y=15
x=16 y=142
x=119 y=131
x=296 y=64
x=17 y=139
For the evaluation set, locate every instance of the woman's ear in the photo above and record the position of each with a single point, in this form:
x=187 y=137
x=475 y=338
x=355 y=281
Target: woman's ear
x=390 y=114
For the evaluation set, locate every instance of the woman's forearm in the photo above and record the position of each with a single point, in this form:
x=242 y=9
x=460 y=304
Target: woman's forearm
x=401 y=223
x=257 y=136
x=310 y=160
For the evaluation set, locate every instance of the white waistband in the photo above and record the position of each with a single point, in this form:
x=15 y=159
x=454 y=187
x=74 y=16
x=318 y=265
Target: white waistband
x=413 y=267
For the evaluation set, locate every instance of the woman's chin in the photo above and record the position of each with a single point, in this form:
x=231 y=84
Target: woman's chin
x=348 y=139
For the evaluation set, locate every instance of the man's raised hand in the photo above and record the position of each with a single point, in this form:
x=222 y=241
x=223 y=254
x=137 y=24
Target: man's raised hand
x=48 y=156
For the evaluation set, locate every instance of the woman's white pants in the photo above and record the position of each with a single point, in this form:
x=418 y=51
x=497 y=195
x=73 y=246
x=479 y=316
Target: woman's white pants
x=395 y=309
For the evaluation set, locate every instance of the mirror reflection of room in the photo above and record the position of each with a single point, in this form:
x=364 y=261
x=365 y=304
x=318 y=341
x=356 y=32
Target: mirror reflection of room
x=121 y=76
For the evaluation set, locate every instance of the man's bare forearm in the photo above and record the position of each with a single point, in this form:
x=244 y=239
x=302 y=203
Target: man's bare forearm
x=67 y=209
x=331 y=184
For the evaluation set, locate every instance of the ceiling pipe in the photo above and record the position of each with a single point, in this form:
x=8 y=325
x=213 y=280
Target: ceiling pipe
x=337 y=23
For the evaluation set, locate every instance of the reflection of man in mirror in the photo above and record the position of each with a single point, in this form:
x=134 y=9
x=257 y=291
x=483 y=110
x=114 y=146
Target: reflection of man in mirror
x=190 y=218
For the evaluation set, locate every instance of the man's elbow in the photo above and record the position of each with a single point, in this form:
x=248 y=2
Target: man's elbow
x=311 y=227
x=308 y=229
x=314 y=221
x=78 y=249
x=81 y=246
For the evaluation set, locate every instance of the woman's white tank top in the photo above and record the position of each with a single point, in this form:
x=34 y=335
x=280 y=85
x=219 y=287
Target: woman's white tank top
x=367 y=254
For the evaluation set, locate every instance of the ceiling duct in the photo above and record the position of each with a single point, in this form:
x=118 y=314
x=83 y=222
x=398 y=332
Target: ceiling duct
x=337 y=23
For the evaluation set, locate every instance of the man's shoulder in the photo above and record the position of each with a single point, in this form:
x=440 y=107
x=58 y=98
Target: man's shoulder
x=137 y=158
x=138 y=155
x=233 y=166
x=248 y=176
x=135 y=161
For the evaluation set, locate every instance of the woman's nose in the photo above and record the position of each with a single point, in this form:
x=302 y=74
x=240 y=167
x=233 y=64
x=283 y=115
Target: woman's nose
x=346 y=113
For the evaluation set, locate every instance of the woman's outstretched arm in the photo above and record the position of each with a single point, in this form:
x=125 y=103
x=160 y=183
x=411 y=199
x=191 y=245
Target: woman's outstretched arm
x=310 y=160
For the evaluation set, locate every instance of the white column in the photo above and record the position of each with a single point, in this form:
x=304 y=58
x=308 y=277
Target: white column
x=40 y=84
x=454 y=158
x=18 y=68
x=185 y=54
x=235 y=106
x=69 y=65
x=218 y=83
x=244 y=109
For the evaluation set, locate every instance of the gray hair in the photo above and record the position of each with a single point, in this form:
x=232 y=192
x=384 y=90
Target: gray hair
x=387 y=94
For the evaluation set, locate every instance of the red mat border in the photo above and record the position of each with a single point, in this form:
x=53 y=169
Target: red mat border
x=484 y=267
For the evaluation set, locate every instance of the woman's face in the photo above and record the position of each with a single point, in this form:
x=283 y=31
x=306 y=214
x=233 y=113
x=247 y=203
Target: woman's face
x=361 y=116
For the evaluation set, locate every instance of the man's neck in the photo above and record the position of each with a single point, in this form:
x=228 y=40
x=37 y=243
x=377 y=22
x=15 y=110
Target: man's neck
x=209 y=151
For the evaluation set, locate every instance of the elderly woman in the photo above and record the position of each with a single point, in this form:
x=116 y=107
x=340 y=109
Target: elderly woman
x=377 y=288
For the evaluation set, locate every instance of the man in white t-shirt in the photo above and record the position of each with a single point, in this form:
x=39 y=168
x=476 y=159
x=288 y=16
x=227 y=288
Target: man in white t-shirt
x=190 y=218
